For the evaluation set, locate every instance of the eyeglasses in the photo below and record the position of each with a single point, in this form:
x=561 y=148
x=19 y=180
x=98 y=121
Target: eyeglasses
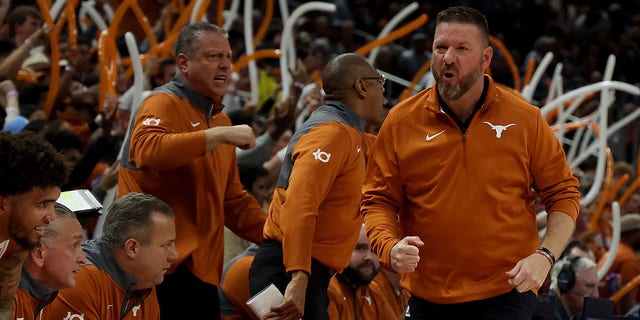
x=381 y=79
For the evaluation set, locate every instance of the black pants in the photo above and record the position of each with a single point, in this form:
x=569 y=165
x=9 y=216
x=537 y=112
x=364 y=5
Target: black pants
x=508 y=306
x=268 y=267
x=182 y=295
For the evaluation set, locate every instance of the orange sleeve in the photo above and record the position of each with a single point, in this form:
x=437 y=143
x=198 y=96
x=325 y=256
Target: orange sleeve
x=557 y=187
x=158 y=141
x=381 y=190
x=242 y=212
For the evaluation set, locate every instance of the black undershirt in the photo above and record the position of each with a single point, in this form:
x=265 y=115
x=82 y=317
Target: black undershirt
x=465 y=124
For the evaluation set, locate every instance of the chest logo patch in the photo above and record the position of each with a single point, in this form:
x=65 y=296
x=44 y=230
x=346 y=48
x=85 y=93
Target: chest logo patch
x=429 y=138
x=499 y=128
x=322 y=156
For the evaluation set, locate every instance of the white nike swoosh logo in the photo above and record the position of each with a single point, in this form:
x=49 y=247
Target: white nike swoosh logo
x=358 y=149
x=429 y=138
x=195 y=124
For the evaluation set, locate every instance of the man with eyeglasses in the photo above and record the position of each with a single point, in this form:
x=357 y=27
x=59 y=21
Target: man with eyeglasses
x=380 y=78
x=313 y=220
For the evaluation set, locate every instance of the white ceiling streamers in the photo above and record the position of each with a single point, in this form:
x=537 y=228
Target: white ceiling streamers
x=287 y=45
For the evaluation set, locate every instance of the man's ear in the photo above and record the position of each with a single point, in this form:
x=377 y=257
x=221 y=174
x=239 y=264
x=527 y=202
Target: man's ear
x=182 y=62
x=360 y=88
x=487 y=56
x=131 y=247
x=38 y=254
x=4 y=203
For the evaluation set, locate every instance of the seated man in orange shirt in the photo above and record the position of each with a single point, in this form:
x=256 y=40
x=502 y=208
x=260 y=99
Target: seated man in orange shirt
x=362 y=292
x=50 y=266
x=234 y=287
x=132 y=257
x=32 y=172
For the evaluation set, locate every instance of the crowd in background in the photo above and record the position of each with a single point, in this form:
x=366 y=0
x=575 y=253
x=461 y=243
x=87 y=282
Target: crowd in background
x=581 y=35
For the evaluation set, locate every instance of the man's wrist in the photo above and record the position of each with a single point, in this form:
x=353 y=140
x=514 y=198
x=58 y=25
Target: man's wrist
x=29 y=43
x=547 y=253
x=299 y=275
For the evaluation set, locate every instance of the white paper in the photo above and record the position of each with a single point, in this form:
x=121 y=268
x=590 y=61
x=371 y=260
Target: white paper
x=262 y=302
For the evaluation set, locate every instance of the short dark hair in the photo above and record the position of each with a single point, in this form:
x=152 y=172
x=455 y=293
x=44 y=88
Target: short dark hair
x=130 y=217
x=189 y=37
x=575 y=244
x=64 y=140
x=462 y=14
x=19 y=15
x=28 y=161
x=250 y=173
x=164 y=64
x=35 y=125
x=341 y=72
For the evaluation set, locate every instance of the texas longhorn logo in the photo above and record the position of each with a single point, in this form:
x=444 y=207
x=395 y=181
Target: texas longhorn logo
x=499 y=128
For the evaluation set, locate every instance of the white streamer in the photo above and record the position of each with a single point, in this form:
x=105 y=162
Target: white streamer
x=391 y=25
x=88 y=8
x=249 y=49
x=530 y=88
x=195 y=10
x=56 y=8
x=615 y=241
x=231 y=15
x=287 y=47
